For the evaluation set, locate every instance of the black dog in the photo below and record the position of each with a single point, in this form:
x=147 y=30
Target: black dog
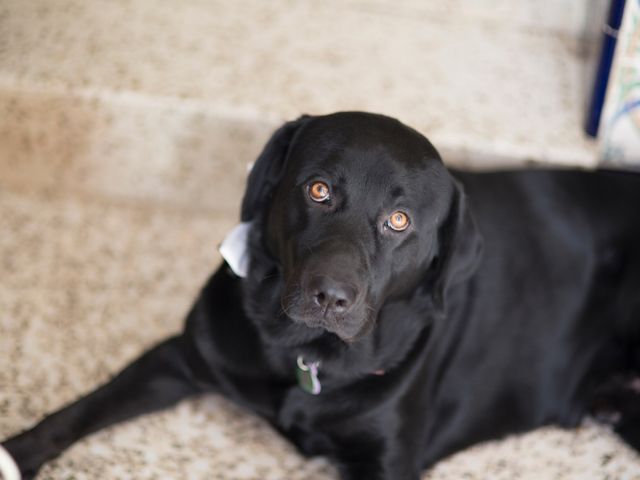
x=394 y=312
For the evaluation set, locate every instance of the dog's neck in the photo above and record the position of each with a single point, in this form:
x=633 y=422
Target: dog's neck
x=376 y=353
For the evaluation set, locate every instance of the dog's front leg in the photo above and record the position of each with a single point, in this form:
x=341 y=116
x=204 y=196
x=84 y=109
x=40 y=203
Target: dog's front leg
x=158 y=379
x=374 y=469
x=364 y=459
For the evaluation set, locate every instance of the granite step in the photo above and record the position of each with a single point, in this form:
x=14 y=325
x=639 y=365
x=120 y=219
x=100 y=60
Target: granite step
x=147 y=101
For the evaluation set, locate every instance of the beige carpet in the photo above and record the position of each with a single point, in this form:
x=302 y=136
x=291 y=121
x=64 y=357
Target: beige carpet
x=86 y=285
x=149 y=112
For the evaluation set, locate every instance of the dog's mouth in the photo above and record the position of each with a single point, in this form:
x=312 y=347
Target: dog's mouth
x=348 y=325
x=338 y=326
x=328 y=291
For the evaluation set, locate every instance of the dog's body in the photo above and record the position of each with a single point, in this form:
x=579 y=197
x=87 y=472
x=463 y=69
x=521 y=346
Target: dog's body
x=438 y=319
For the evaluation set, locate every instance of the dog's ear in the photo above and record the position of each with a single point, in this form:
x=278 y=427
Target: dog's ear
x=460 y=248
x=268 y=169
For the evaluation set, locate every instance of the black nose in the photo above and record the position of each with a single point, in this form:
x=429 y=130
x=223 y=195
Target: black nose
x=331 y=295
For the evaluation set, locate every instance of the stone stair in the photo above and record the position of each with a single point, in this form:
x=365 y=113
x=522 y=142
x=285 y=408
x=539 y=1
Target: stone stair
x=152 y=101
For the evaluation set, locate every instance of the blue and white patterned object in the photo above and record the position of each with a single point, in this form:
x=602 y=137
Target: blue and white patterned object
x=620 y=124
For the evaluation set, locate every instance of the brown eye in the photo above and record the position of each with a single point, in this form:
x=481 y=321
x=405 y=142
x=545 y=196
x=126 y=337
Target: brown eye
x=398 y=221
x=319 y=191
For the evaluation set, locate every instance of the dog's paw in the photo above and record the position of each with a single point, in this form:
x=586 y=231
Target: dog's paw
x=24 y=454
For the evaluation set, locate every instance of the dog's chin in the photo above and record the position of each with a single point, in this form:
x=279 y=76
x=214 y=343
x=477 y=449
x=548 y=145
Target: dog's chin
x=347 y=328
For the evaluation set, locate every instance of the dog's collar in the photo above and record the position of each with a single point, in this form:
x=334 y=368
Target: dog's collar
x=307 y=374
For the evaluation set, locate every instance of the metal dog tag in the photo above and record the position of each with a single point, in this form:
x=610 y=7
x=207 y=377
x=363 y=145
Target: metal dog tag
x=308 y=376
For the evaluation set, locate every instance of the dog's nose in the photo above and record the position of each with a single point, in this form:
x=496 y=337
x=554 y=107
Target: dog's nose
x=331 y=295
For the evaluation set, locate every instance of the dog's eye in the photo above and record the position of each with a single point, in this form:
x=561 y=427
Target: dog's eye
x=318 y=192
x=398 y=221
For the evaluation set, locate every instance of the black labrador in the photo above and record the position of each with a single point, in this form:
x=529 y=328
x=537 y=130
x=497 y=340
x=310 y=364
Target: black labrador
x=395 y=312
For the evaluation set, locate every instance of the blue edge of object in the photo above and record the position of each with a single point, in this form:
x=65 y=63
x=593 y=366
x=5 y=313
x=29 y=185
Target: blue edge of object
x=594 y=110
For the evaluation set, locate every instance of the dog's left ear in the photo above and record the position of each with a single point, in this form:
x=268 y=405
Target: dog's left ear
x=268 y=169
x=460 y=248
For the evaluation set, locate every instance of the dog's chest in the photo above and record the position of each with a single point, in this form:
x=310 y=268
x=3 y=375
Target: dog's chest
x=308 y=421
x=301 y=409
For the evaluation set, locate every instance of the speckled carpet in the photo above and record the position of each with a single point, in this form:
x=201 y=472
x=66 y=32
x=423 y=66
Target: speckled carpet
x=87 y=284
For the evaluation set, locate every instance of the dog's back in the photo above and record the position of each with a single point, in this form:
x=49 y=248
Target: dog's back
x=551 y=319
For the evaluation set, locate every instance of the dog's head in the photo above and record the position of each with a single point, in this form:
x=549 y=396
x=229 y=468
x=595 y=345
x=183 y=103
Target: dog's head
x=357 y=210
